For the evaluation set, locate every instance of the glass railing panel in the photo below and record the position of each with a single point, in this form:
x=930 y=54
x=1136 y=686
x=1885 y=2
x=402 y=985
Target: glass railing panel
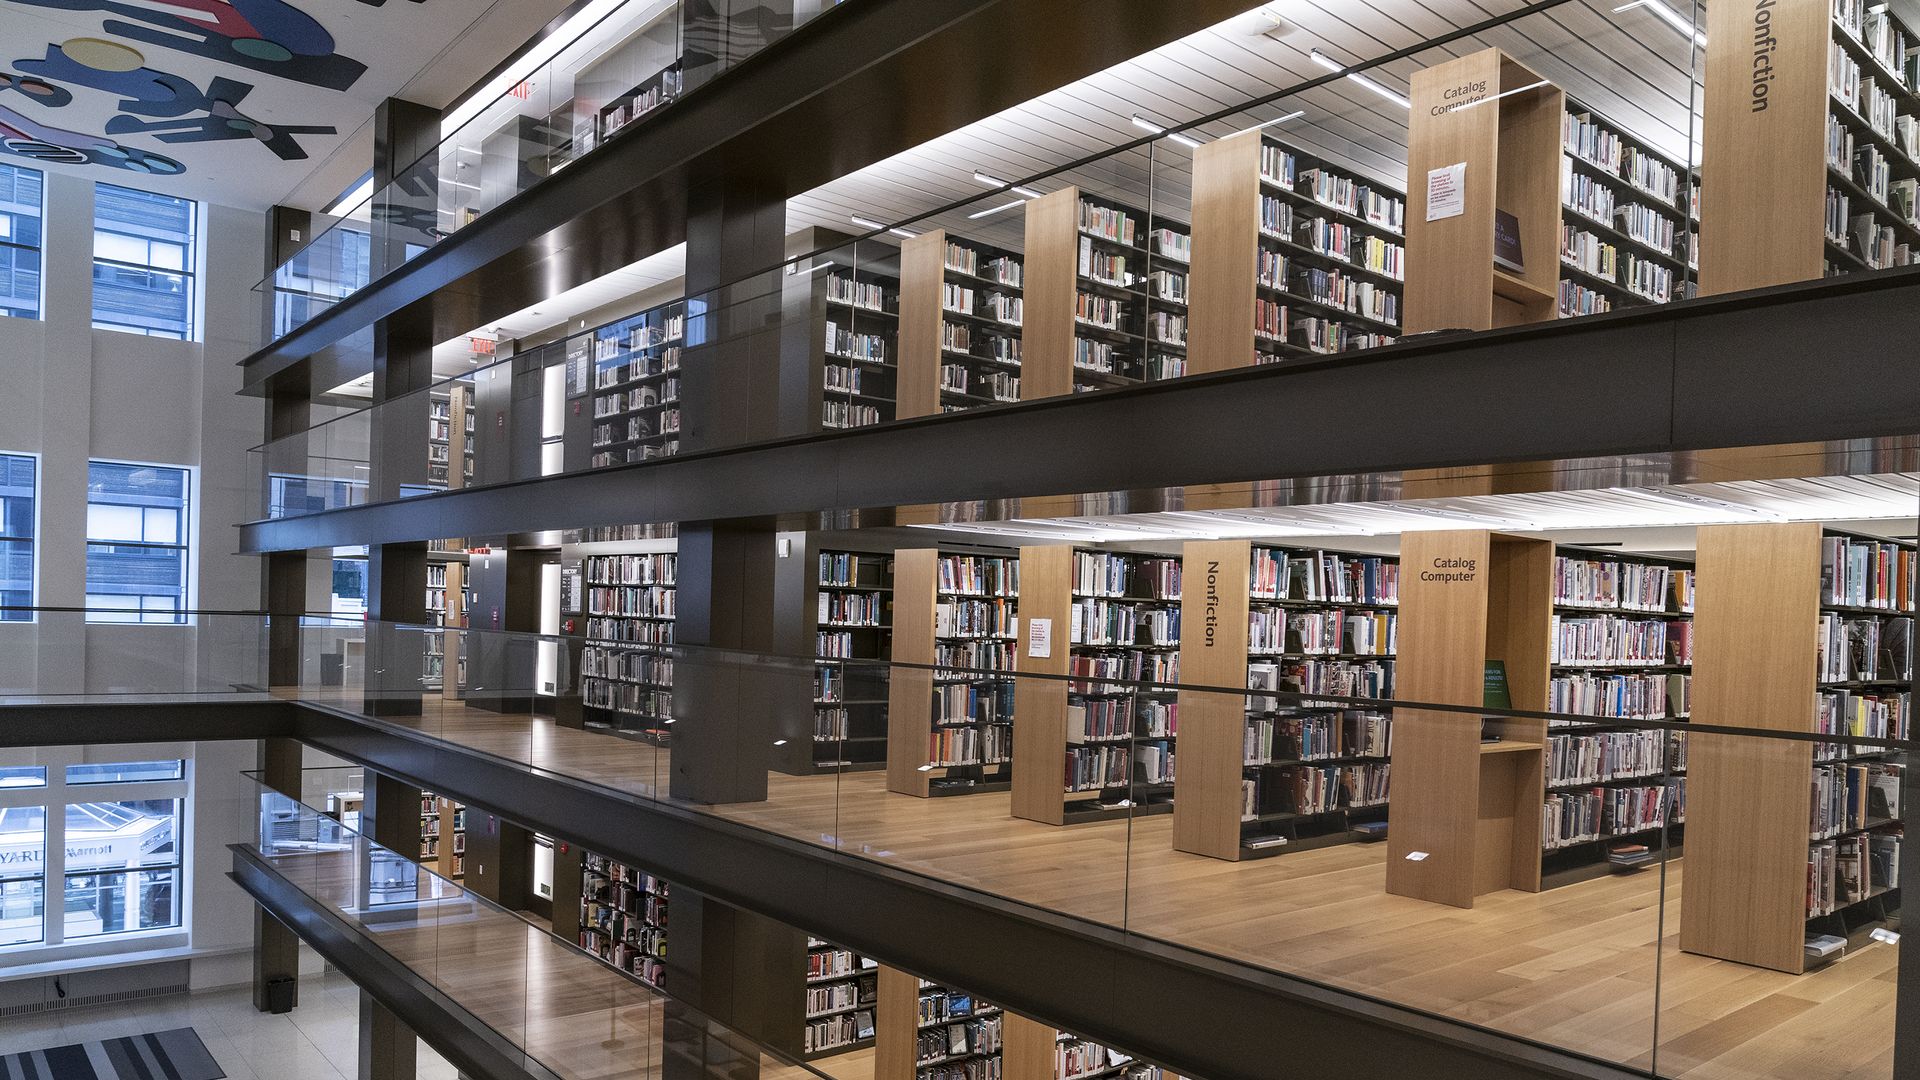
x=619 y=63
x=1269 y=844
x=117 y=653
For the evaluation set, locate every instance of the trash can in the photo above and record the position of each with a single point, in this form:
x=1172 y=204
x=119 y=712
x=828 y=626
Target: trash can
x=280 y=994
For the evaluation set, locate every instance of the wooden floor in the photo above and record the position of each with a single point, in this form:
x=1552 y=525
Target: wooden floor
x=1574 y=967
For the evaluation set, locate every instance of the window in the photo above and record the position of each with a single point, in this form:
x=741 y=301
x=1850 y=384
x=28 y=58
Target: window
x=109 y=837
x=143 y=263
x=18 y=495
x=21 y=202
x=138 y=520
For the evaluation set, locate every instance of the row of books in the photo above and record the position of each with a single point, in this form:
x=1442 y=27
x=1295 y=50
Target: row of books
x=848 y=345
x=1576 y=299
x=1610 y=755
x=660 y=569
x=842 y=415
x=616 y=342
x=1005 y=269
x=1099 y=766
x=959 y=1039
x=1627 y=696
x=833 y=1032
x=630 y=698
x=1279 y=574
x=844 y=289
x=978 y=575
x=845 y=569
x=1126 y=665
x=1850 y=869
x=1314 y=789
x=1587 y=138
x=835 y=645
x=1275 y=630
x=649 y=396
x=1377 y=206
x=597 y=661
x=1866 y=573
x=852 y=608
x=635 y=429
x=1575 y=817
x=973 y=618
x=1848 y=798
x=1339 y=678
x=1101 y=621
x=1616 y=583
x=1880 y=715
x=835 y=997
x=1104 y=573
x=632 y=601
x=629 y=631
x=1863 y=648
x=973 y=703
x=1317 y=736
x=644 y=366
x=1109 y=719
x=1617 y=641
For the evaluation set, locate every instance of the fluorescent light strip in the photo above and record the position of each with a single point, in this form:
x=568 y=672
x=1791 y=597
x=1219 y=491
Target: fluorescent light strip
x=989 y=212
x=1331 y=64
x=1669 y=16
x=869 y=223
x=1146 y=124
x=1294 y=115
x=1502 y=94
x=993 y=181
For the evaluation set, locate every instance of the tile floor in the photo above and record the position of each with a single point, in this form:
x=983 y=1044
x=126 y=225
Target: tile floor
x=316 y=1041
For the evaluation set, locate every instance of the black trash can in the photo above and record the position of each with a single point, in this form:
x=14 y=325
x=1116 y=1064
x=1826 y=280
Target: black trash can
x=280 y=995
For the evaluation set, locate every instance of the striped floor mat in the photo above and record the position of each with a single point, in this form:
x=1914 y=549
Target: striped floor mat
x=162 y=1055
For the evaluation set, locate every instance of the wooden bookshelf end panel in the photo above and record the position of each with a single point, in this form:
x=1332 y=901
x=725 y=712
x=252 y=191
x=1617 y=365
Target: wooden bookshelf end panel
x=1213 y=652
x=910 y=689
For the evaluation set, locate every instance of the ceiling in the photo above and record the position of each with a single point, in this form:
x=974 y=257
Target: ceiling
x=1630 y=66
x=244 y=103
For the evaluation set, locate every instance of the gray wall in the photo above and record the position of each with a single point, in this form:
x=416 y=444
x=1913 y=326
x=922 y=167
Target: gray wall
x=69 y=393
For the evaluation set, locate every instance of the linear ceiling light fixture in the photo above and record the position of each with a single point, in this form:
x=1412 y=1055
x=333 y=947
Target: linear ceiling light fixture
x=1331 y=64
x=1294 y=115
x=869 y=223
x=993 y=181
x=1148 y=125
x=1669 y=16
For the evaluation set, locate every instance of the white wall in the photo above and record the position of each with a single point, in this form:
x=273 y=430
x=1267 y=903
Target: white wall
x=69 y=393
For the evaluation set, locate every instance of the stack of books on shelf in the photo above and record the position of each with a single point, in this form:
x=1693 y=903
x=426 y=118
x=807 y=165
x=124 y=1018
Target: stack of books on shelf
x=626 y=666
x=975 y=604
x=661 y=88
x=434 y=660
x=443 y=836
x=957 y=1036
x=636 y=386
x=623 y=917
x=853 y=613
x=862 y=324
x=841 y=989
x=1620 y=647
x=440 y=436
x=1318 y=622
x=982 y=308
x=1873 y=140
x=1130 y=312
x=1864 y=661
x=1627 y=233
x=1076 y=1058
x=1332 y=258
x=1124 y=629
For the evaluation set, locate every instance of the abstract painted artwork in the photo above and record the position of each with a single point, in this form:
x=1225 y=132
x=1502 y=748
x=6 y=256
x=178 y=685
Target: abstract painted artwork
x=128 y=63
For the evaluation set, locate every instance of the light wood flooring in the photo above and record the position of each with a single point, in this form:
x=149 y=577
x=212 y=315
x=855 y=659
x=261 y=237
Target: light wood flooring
x=1573 y=967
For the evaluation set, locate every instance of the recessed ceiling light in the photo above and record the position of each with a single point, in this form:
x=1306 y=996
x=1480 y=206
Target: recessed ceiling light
x=1148 y=125
x=993 y=181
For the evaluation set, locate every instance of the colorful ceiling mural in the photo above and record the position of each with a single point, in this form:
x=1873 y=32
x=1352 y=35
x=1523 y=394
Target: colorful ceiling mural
x=171 y=87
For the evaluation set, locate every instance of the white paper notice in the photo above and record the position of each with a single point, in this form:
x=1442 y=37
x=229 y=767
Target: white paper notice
x=1447 y=192
x=1416 y=856
x=1040 y=637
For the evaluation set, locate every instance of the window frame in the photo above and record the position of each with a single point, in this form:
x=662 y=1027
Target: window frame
x=54 y=945
x=39 y=249
x=189 y=523
x=189 y=273
x=32 y=540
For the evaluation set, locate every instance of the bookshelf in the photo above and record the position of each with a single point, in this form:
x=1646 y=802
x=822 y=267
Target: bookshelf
x=623 y=917
x=1622 y=646
x=1105 y=300
x=1470 y=810
x=930 y=1031
x=1503 y=122
x=626 y=676
x=656 y=90
x=1032 y=1050
x=842 y=990
x=961 y=307
x=1626 y=230
x=859 y=347
x=450 y=435
x=1829 y=165
x=1292 y=256
x=1097 y=744
x=1807 y=630
x=443 y=836
x=853 y=620
x=950 y=732
x=1259 y=778
x=636 y=386
x=448 y=599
